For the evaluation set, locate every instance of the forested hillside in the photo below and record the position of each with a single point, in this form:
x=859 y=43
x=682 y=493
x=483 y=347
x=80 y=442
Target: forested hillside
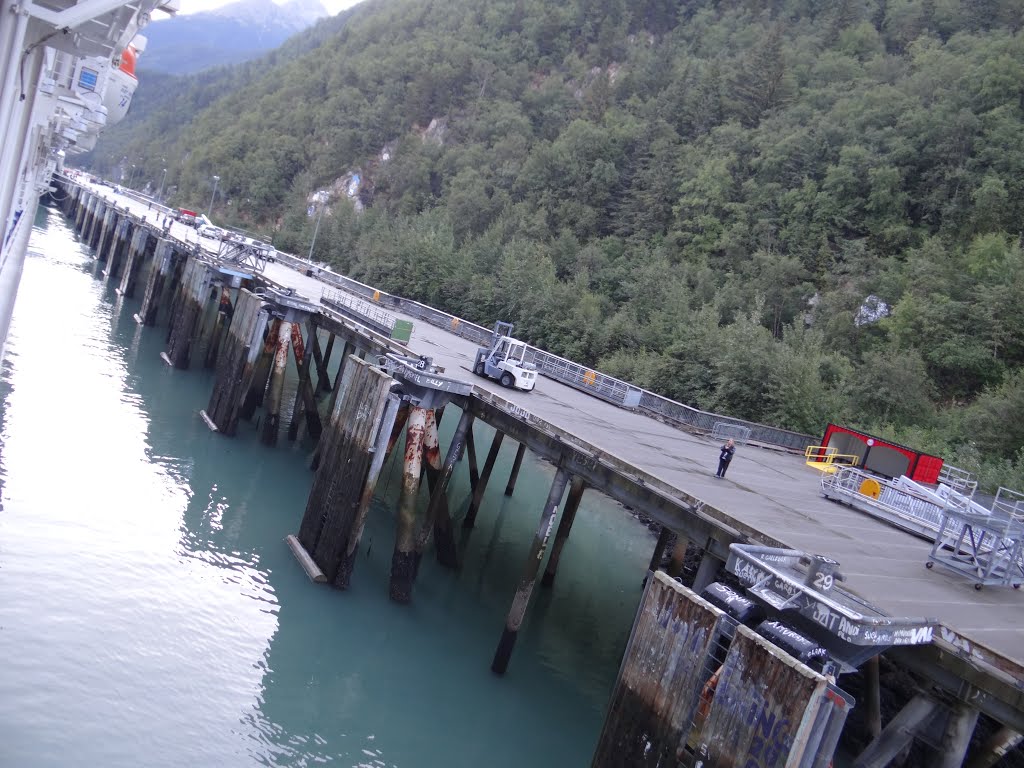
x=699 y=197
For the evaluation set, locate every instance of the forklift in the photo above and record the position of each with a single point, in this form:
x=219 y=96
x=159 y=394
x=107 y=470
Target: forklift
x=503 y=360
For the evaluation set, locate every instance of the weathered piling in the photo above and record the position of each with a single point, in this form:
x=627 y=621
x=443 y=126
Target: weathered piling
x=529 y=578
x=481 y=487
x=195 y=285
x=254 y=395
x=212 y=310
x=107 y=231
x=474 y=473
x=80 y=213
x=159 y=284
x=118 y=240
x=275 y=389
x=514 y=474
x=572 y=504
x=354 y=444
x=438 y=518
x=323 y=376
x=142 y=244
x=403 y=559
x=242 y=345
x=305 y=397
x=664 y=537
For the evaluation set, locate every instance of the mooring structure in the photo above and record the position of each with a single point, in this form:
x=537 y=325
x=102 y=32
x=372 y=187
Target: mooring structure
x=360 y=393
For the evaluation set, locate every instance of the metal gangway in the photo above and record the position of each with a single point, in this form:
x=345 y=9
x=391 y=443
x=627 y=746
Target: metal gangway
x=902 y=502
x=987 y=548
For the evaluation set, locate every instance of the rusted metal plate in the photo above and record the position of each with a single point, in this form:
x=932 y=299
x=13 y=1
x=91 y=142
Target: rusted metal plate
x=665 y=665
x=764 y=708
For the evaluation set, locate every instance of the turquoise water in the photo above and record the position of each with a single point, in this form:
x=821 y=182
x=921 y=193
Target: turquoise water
x=151 y=614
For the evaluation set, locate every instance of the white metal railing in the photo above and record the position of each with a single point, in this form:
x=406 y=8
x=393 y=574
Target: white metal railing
x=381 y=320
x=581 y=377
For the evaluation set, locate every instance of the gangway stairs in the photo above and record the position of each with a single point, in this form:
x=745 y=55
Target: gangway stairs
x=987 y=548
x=987 y=545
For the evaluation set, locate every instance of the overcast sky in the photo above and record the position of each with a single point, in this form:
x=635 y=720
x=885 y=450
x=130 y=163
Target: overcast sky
x=194 y=6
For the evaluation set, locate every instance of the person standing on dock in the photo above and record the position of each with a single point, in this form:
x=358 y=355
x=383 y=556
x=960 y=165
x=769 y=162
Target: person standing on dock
x=725 y=457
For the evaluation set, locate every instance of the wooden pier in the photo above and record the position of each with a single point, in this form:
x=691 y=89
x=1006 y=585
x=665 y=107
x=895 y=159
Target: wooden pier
x=242 y=319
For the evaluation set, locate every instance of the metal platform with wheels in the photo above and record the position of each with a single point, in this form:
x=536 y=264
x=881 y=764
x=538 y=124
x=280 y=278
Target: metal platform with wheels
x=987 y=548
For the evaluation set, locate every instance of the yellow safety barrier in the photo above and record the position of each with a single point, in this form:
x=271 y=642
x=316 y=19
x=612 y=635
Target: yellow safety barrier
x=827 y=459
x=590 y=377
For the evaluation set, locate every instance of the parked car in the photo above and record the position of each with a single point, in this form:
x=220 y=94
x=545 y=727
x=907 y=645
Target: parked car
x=211 y=231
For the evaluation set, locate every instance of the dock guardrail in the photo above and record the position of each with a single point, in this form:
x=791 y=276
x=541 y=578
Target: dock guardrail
x=589 y=380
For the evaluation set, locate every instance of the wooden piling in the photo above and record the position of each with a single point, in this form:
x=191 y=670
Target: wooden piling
x=675 y=566
x=261 y=371
x=957 y=735
x=133 y=265
x=403 y=559
x=352 y=441
x=522 y=597
x=514 y=474
x=275 y=390
x=305 y=398
x=194 y=287
x=156 y=284
x=242 y=344
x=478 y=492
x=572 y=504
x=224 y=311
x=380 y=455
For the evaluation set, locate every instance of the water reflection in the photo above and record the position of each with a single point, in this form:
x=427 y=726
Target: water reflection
x=153 y=615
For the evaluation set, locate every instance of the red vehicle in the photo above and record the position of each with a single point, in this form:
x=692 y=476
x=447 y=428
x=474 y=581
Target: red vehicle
x=186 y=216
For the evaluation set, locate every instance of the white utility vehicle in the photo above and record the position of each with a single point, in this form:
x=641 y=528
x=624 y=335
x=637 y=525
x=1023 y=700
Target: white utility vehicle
x=505 y=361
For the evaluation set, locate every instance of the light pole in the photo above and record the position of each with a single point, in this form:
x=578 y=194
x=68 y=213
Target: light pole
x=132 y=177
x=210 y=209
x=160 y=194
x=320 y=199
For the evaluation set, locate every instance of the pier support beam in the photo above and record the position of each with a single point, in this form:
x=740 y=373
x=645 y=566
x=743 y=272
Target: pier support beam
x=873 y=697
x=258 y=386
x=242 y=345
x=514 y=474
x=995 y=749
x=957 y=735
x=522 y=598
x=195 y=286
x=659 y=552
x=353 y=453
x=485 y=476
x=275 y=390
x=474 y=473
x=444 y=537
x=572 y=504
x=159 y=283
x=305 y=398
x=403 y=560
x=898 y=733
x=675 y=565
x=132 y=267
x=707 y=572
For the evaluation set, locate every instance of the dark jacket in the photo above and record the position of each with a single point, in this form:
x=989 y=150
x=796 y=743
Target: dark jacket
x=727 y=452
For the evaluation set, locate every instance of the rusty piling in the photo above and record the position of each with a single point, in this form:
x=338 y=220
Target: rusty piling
x=403 y=560
x=275 y=389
